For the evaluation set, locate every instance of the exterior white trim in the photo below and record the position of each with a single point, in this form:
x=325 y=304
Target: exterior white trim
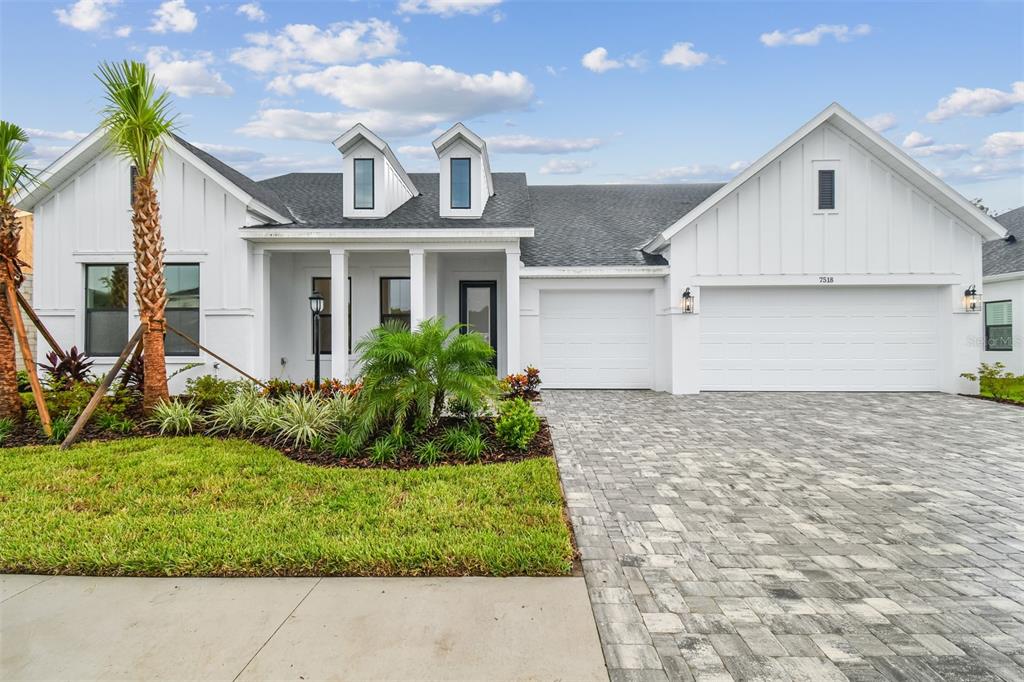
x=1005 y=277
x=914 y=172
x=383 y=235
x=557 y=272
x=823 y=280
x=358 y=133
x=62 y=168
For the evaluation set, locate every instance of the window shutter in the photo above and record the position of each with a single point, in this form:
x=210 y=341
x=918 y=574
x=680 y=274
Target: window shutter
x=826 y=190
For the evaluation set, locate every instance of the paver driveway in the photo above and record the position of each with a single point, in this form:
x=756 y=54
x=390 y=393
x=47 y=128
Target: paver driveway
x=798 y=536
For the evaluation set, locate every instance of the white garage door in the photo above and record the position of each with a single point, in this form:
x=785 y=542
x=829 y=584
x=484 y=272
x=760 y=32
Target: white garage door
x=828 y=339
x=597 y=339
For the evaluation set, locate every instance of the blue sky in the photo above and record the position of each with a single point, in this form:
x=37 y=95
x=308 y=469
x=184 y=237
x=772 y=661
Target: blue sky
x=570 y=92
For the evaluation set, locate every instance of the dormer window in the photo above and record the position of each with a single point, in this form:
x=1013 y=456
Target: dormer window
x=461 y=183
x=362 y=183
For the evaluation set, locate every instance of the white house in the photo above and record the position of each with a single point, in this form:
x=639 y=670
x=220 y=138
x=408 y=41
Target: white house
x=834 y=262
x=1003 y=263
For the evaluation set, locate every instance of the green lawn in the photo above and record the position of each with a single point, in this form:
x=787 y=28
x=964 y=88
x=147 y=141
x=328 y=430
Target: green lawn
x=201 y=506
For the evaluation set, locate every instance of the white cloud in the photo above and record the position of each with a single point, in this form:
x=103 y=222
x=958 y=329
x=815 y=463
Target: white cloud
x=597 y=61
x=952 y=151
x=414 y=89
x=552 y=71
x=565 y=167
x=1003 y=144
x=977 y=102
x=525 y=144
x=684 y=56
x=324 y=126
x=696 y=172
x=252 y=11
x=302 y=46
x=880 y=123
x=841 y=32
x=69 y=135
x=256 y=164
x=86 y=15
x=446 y=8
x=916 y=139
x=174 y=16
x=424 y=152
x=230 y=154
x=186 y=77
x=123 y=31
x=984 y=170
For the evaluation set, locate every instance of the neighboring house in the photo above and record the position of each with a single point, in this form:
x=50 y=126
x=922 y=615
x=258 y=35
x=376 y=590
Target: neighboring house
x=1003 y=316
x=835 y=262
x=25 y=254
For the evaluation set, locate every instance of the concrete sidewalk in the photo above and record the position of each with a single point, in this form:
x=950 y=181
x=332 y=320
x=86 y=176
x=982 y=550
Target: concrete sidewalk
x=297 y=628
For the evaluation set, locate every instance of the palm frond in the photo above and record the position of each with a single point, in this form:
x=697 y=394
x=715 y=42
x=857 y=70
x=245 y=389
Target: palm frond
x=136 y=114
x=15 y=175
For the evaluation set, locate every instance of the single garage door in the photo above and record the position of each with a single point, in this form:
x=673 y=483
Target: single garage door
x=820 y=339
x=597 y=339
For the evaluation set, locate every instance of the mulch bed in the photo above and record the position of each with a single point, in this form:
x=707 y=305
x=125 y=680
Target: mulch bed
x=30 y=433
x=991 y=399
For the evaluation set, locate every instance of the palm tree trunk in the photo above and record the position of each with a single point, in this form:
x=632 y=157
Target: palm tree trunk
x=10 y=401
x=150 y=287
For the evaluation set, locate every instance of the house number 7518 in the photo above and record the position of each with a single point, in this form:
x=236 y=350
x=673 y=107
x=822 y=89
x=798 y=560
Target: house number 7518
x=826 y=279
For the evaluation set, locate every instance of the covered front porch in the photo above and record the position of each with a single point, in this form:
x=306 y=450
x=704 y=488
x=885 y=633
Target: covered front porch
x=477 y=285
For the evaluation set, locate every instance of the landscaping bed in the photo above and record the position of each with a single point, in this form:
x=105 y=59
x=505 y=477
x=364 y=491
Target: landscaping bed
x=202 y=506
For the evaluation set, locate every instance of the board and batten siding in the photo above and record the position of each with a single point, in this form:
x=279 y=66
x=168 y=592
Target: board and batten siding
x=88 y=220
x=882 y=224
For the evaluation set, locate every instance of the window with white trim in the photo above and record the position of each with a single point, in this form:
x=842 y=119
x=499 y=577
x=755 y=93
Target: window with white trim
x=999 y=325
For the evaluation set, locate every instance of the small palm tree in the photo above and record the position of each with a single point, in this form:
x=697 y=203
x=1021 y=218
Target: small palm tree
x=408 y=375
x=137 y=118
x=14 y=177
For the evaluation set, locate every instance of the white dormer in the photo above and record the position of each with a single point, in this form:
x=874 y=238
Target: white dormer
x=375 y=182
x=465 y=182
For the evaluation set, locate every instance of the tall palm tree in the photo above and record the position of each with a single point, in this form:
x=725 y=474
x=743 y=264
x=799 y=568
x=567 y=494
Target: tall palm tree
x=14 y=176
x=138 y=117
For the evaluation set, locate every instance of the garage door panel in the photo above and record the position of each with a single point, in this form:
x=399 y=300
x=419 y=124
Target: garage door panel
x=597 y=339
x=820 y=339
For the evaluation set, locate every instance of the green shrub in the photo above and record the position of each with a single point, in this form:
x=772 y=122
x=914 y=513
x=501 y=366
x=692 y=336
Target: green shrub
x=451 y=437
x=471 y=447
x=428 y=453
x=24 y=385
x=408 y=376
x=995 y=380
x=517 y=423
x=345 y=445
x=176 y=417
x=236 y=415
x=114 y=422
x=303 y=420
x=61 y=427
x=384 y=450
x=209 y=391
x=266 y=415
x=7 y=425
x=71 y=400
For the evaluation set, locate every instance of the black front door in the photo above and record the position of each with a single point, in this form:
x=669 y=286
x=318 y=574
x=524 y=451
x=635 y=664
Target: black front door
x=478 y=309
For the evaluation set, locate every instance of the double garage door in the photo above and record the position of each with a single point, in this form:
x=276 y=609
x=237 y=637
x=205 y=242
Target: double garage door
x=752 y=339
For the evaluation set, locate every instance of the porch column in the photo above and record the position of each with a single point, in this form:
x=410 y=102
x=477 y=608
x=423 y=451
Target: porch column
x=261 y=312
x=512 y=311
x=339 y=314
x=417 y=287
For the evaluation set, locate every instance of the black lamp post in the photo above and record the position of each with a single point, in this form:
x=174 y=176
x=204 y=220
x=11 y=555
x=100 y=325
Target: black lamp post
x=316 y=306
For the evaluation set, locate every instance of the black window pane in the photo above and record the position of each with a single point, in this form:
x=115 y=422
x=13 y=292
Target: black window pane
x=322 y=285
x=460 y=183
x=395 y=300
x=363 y=183
x=106 y=332
x=999 y=338
x=186 y=321
x=106 y=309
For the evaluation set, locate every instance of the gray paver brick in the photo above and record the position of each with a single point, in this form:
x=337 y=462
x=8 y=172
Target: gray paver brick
x=875 y=536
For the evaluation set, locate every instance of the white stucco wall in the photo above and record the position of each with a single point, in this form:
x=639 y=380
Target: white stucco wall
x=1001 y=289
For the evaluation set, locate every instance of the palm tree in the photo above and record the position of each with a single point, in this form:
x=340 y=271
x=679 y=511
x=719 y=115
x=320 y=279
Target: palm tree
x=14 y=176
x=137 y=118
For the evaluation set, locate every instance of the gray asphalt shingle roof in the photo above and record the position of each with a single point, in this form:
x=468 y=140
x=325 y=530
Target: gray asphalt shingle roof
x=1001 y=256
x=594 y=225
x=256 y=190
x=315 y=200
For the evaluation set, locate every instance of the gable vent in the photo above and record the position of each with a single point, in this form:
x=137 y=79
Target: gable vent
x=826 y=190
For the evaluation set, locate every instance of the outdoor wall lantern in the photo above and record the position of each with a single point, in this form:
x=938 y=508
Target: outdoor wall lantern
x=971 y=299
x=316 y=306
x=686 y=303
